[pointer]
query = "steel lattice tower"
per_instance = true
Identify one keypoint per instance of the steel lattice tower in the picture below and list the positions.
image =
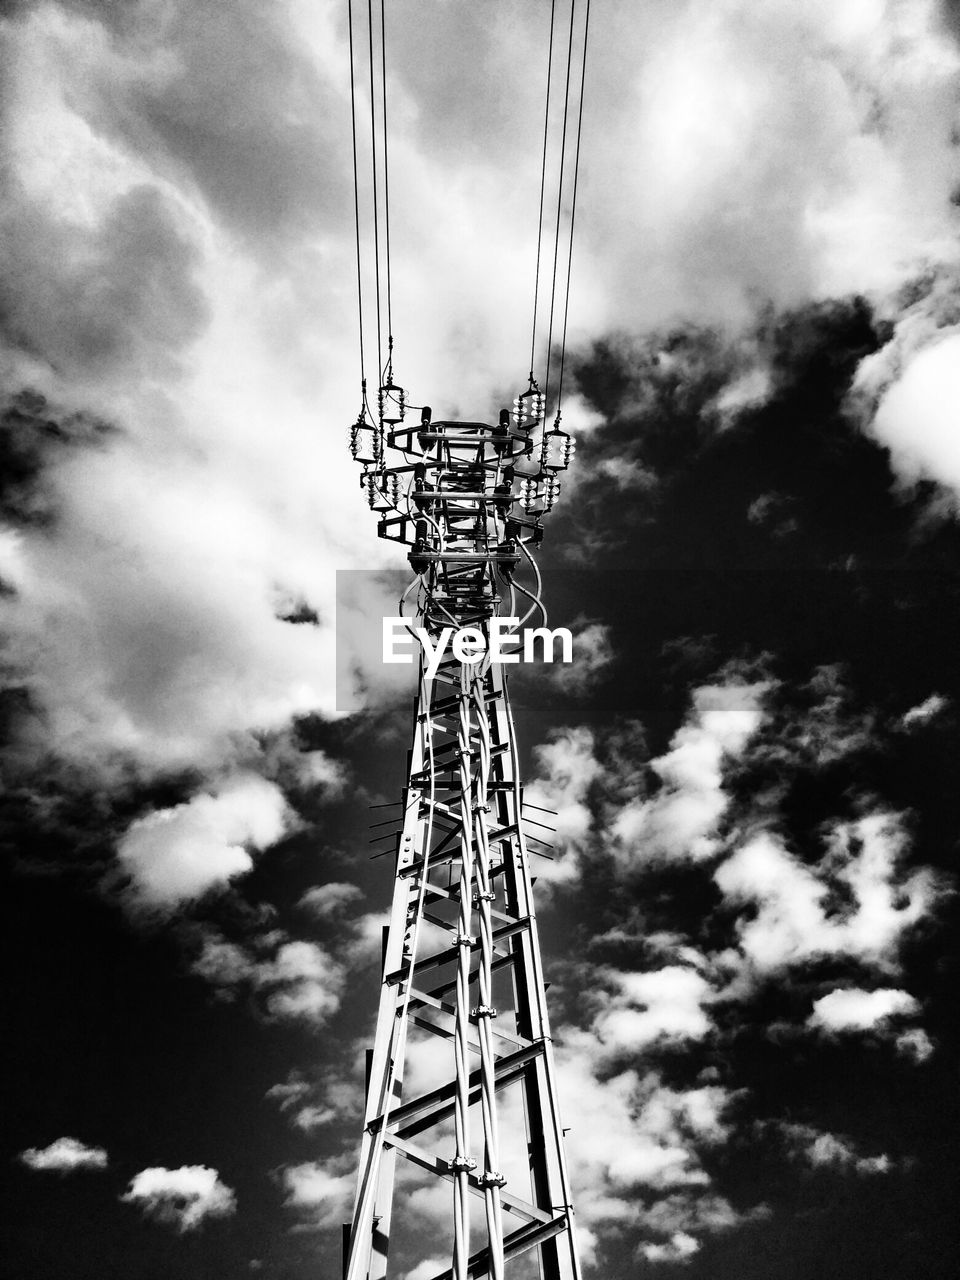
(461, 1080)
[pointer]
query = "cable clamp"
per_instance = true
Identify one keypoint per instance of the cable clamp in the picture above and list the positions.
(487, 896)
(484, 1011)
(465, 940)
(490, 1179)
(462, 1164)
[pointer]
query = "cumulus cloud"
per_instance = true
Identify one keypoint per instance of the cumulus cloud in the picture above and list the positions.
(679, 1248)
(823, 1150)
(846, 194)
(310, 1106)
(675, 1216)
(817, 725)
(915, 1044)
(924, 711)
(918, 418)
(177, 855)
(903, 393)
(64, 1155)
(592, 654)
(680, 822)
(851, 1009)
(565, 769)
(146, 623)
(195, 294)
(329, 901)
(318, 1192)
(789, 921)
(632, 1133)
(291, 980)
(183, 1198)
(663, 1006)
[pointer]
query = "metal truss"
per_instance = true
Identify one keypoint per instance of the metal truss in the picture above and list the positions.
(461, 1082)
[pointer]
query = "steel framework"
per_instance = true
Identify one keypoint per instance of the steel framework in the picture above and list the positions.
(461, 1081)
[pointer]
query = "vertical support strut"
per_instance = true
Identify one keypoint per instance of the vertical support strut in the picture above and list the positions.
(462, 1085)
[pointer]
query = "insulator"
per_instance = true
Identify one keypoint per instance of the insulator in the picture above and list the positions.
(528, 409)
(551, 492)
(556, 450)
(382, 489)
(530, 496)
(365, 443)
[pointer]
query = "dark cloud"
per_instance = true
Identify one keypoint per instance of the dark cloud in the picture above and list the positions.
(239, 105)
(121, 296)
(32, 432)
(769, 484)
(950, 11)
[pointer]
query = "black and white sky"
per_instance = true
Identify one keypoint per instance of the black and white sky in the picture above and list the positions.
(750, 925)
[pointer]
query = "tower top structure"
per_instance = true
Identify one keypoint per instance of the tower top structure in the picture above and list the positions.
(467, 497)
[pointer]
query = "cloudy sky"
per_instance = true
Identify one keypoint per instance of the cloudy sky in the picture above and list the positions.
(750, 921)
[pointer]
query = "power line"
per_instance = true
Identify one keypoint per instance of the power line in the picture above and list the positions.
(543, 183)
(573, 205)
(356, 193)
(556, 242)
(376, 211)
(386, 190)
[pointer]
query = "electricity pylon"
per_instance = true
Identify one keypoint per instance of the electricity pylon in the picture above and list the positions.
(461, 1081)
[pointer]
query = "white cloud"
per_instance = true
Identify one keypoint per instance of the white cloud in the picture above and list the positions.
(788, 920)
(177, 855)
(565, 768)
(294, 980)
(679, 1248)
(328, 901)
(915, 1044)
(198, 301)
(184, 1198)
(828, 1150)
(427, 1270)
(65, 1155)
(663, 1006)
(301, 981)
(681, 821)
(924, 711)
(919, 419)
(631, 1133)
(311, 1106)
(851, 1009)
(759, 188)
(592, 654)
(321, 1196)
(675, 1216)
